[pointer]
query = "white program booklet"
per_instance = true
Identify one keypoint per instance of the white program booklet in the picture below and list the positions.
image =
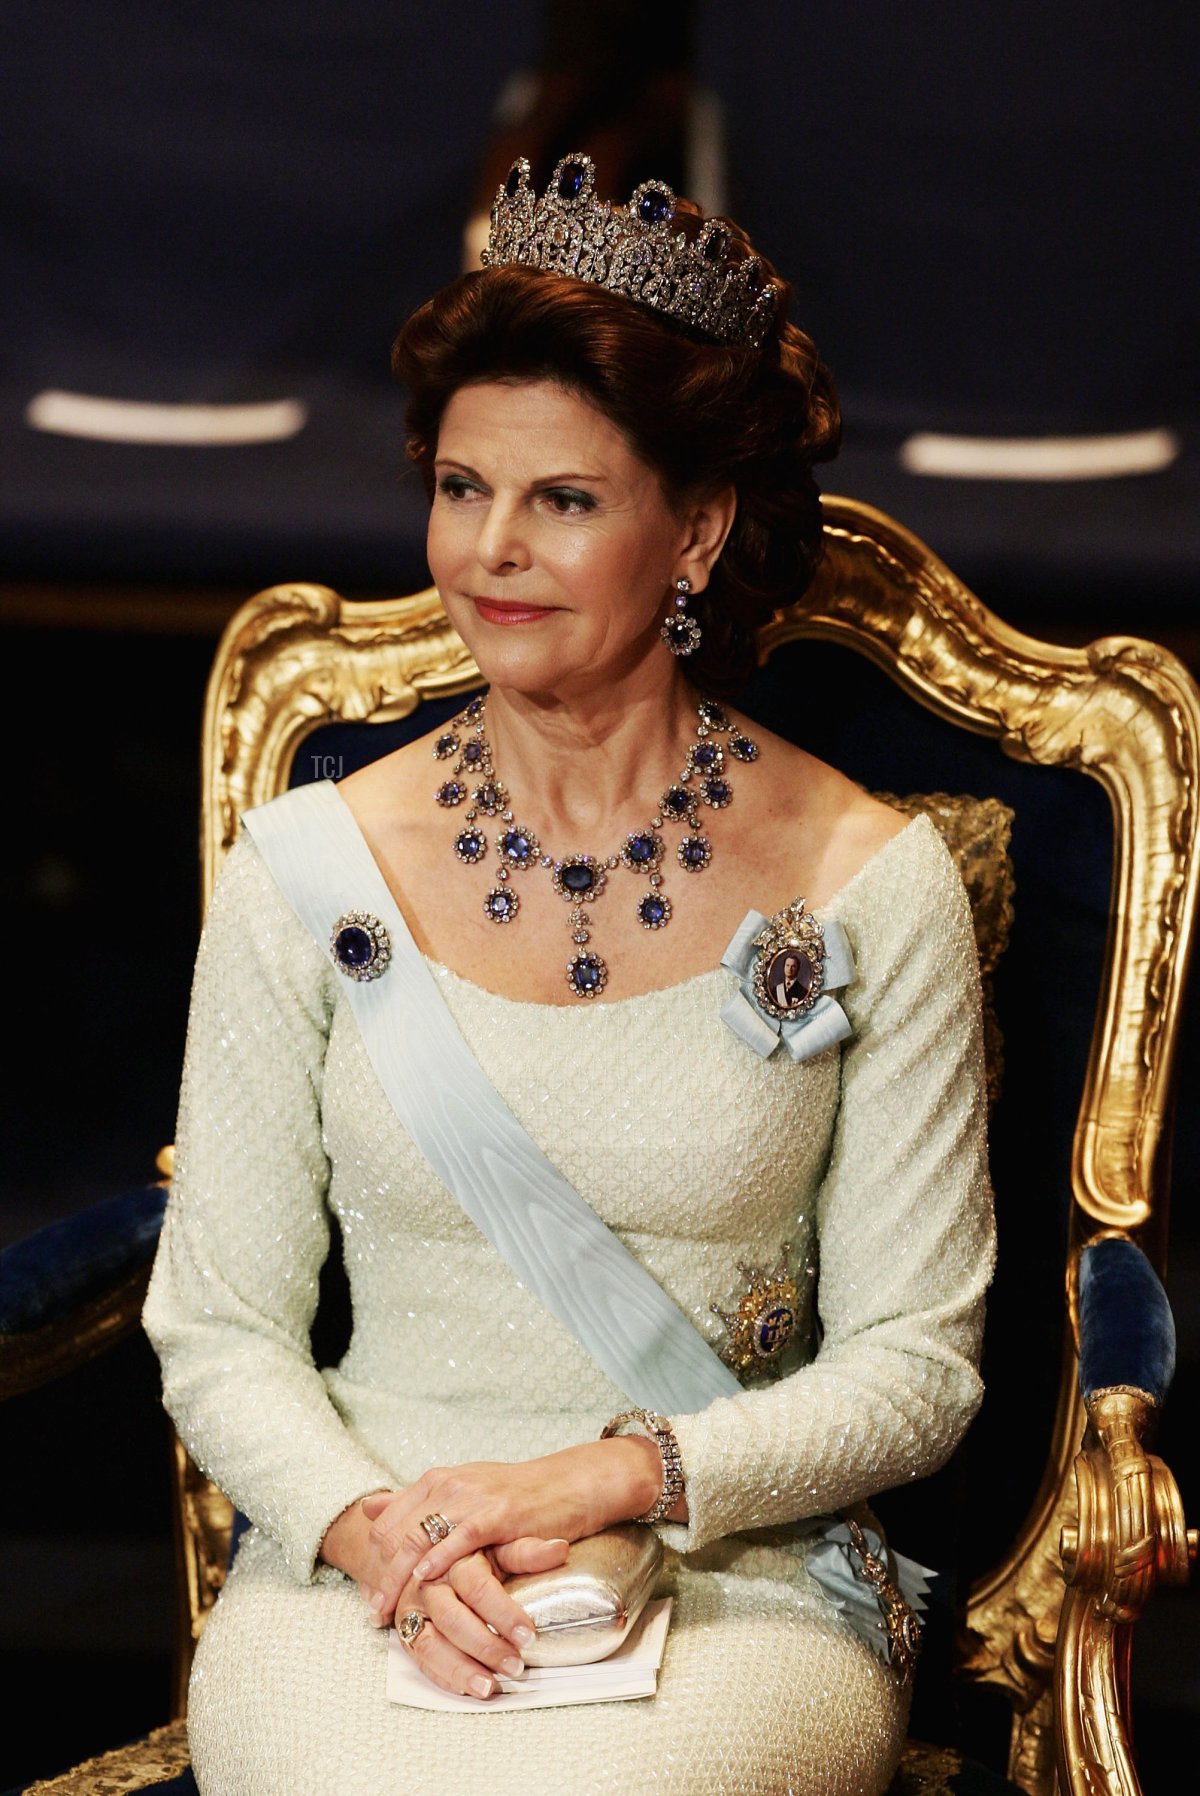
(629, 1672)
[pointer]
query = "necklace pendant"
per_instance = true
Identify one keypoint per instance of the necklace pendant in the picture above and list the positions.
(517, 847)
(643, 851)
(489, 798)
(694, 853)
(470, 845)
(501, 905)
(654, 910)
(579, 878)
(587, 974)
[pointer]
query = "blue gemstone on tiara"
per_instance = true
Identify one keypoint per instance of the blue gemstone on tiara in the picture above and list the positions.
(570, 181)
(753, 276)
(715, 246)
(654, 206)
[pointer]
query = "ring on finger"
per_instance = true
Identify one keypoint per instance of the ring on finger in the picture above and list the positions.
(410, 1625)
(436, 1527)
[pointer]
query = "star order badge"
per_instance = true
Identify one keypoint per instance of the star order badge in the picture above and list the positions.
(765, 1320)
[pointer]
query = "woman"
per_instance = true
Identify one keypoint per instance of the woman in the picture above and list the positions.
(618, 436)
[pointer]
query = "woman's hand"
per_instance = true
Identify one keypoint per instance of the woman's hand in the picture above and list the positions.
(473, 1628)
(561, 1497)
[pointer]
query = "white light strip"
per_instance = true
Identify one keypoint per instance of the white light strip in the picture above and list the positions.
(1039, 458)
(134, 421)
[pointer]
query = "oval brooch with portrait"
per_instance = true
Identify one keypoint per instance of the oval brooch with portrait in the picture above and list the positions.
(789, 963)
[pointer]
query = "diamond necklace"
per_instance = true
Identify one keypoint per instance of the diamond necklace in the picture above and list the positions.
(582, 879)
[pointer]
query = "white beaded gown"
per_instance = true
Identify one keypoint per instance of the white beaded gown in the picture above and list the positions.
(869, 1160)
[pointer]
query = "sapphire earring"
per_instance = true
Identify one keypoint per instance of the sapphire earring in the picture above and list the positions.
(681, 633)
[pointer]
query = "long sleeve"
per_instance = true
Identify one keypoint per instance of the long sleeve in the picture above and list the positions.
(905, 1233)
(234, 1288)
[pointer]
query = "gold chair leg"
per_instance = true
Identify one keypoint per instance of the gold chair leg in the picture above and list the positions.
(1131, 1537)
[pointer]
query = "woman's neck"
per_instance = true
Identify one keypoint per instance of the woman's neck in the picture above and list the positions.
(583, 768)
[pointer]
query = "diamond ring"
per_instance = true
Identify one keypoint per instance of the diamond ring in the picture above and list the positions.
(437, 1527)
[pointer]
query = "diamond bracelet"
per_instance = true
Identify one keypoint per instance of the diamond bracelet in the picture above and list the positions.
(659, 1430)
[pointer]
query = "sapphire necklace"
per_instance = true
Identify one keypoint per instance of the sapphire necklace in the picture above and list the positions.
(582, 879)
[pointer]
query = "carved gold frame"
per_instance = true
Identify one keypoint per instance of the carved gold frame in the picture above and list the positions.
(1123, 711)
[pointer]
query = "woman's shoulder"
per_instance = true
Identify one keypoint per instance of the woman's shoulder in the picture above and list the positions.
(249, 915)
(833, 829)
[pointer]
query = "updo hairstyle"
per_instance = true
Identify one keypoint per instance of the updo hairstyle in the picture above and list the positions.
(702, 414)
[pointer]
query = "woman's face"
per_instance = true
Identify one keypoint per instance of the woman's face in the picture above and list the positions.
(551, 541)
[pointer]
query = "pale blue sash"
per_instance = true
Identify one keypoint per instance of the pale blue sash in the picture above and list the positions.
(552, 1239)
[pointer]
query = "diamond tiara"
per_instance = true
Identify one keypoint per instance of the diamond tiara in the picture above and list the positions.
(634, 250)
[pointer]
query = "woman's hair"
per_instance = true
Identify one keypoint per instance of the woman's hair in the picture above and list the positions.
(702, 414)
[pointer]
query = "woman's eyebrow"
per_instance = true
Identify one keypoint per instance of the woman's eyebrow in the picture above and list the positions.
(450, 461)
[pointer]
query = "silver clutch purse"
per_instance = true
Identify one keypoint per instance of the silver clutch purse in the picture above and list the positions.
(584, 1609)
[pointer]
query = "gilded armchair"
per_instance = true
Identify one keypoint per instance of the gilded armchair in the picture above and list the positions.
(1059, 1548)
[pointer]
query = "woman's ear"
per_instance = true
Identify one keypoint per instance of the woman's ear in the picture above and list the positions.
(708, 522)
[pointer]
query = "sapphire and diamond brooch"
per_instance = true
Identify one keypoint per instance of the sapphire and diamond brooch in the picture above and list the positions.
(360, 945)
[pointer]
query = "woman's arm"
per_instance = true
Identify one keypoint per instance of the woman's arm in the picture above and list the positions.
(234, 1288)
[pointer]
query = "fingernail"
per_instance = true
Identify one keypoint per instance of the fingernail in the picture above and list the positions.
(422, 1571)
(512, 1667)
(377, 1601)
(481, 1686)
(524, 1636)
(560, 1543)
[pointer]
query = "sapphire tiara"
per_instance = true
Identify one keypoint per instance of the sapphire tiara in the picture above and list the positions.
(635, 250)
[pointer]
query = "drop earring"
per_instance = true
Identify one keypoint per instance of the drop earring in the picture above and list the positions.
(681, 632)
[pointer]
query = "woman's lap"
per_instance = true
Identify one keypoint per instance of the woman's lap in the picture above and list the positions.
(762, 1692)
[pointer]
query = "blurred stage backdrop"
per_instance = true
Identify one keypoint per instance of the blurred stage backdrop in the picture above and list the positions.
(213, 218)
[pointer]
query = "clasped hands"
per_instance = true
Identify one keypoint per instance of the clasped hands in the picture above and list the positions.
(508, 1518)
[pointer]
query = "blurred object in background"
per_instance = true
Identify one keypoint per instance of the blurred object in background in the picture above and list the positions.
(990, 215)
(213, 220)
(617, 84)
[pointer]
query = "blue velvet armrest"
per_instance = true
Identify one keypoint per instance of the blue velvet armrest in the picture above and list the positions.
(76, 1286)
(1126, 1329)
